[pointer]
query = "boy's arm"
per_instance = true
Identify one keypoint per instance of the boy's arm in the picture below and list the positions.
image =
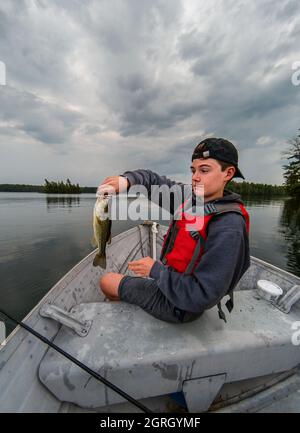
(148, 178)
(223, 263)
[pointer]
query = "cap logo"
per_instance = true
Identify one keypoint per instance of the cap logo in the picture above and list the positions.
(205, 154)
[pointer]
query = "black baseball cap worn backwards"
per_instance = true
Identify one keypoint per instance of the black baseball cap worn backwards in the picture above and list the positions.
(218, 148)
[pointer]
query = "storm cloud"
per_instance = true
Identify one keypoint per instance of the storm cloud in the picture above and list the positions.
(95, 88)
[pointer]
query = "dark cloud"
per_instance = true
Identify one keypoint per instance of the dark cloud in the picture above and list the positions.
(283, 10)
(147, 80)
(37, 118)
(150, 121)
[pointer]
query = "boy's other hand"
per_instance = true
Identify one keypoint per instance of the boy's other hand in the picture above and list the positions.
(142, 267)
(112, 185)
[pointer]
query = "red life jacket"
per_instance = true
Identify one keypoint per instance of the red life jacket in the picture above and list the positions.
(183, 248)
(178, 250)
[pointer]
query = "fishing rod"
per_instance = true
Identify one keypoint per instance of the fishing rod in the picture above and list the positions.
(78, 363)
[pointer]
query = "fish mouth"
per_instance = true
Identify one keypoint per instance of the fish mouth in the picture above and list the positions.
(101, 208)
(104, 196)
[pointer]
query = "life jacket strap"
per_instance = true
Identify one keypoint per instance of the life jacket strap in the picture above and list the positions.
(196, 253)
(217, 208)
(221, 313)
(169, 241)
(229, 305)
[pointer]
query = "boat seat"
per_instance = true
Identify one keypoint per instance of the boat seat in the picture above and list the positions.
(147, 357)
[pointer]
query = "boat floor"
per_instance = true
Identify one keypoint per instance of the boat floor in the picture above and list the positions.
(289, 404)
(148, 357)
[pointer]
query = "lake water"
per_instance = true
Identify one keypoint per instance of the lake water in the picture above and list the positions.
(42, 237)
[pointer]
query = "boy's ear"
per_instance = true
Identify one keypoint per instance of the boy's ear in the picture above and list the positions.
(230, 172)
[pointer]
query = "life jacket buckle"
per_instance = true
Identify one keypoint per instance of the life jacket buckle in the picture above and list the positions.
(195, 235)
(210, 208)
(229, 305)
(221, 313)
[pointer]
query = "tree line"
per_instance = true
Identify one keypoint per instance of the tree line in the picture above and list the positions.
(242, 188)
(256, 189)
(291, 172)
(12, 187)
(61, 187)
(48, 188)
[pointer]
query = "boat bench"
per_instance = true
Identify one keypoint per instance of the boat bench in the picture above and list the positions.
(147, 357)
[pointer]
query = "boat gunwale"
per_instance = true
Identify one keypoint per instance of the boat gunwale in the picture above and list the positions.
(287, 276)
(88, 259)
(62, 284)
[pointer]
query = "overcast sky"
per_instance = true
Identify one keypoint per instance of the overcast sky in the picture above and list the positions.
(97, 87)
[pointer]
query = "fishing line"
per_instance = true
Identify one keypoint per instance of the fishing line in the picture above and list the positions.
(78, 363)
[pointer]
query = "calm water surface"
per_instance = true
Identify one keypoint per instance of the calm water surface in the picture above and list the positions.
(42, 237)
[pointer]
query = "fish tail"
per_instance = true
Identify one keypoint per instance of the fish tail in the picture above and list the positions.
(100, 261)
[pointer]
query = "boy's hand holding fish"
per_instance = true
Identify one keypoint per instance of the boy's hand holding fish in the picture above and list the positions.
(113, 185)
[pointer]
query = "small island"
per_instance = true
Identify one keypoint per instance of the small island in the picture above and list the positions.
(61, 187)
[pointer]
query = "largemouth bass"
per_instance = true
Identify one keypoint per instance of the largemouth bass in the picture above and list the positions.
(102, 229)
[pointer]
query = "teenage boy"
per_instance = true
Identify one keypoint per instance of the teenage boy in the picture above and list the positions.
(196, 269)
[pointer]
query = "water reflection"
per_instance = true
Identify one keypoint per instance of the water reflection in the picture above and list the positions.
(262, 201)
(62, 201)
(290, 229)
(275, 231)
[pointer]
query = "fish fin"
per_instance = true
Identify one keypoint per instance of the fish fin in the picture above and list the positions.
(93, 242)
(100, 261)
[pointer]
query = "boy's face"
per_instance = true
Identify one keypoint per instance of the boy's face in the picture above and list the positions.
(208, 172)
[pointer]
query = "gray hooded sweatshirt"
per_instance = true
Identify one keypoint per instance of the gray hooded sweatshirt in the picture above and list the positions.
(225, 259)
